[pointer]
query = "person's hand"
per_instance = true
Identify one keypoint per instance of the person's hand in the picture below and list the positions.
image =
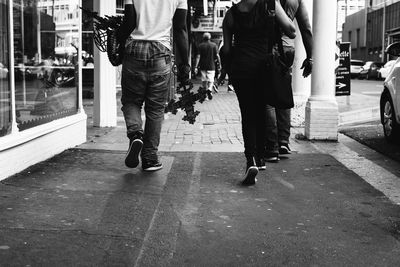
(307, 66)
(183, 74)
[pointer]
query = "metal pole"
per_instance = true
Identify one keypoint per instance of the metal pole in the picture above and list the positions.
(337, 17)
(383, 30)
(23, 53)
(14, 125)
(38, 34)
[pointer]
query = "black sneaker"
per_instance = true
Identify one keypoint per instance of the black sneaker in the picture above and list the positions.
(151, 165)
(209, 94)
(284, 149)
(249, 177)
(215, 88)
(132, 156)
(272, 157)
(230, 88)
(261, 164)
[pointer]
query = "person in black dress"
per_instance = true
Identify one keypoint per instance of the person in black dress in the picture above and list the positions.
(249, 24)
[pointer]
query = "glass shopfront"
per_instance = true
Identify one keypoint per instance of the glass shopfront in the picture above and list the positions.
(46, 41)
(5, 96)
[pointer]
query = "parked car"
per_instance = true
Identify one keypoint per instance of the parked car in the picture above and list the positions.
(355, 67)
(390, 98)
(384, 71)
(370, 70)
(3, 71)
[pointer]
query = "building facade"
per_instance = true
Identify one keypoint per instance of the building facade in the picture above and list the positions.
(371, 30)
(346, 8)
(355, 32)
(41, 110)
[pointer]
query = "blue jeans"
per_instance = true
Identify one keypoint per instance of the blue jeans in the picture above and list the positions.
(278, 128)
(278, 120)
(145, 81)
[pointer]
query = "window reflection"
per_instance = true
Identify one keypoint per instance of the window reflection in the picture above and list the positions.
(46, 41)
(5, 97)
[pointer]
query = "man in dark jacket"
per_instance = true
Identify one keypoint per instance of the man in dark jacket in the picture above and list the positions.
(278, 120)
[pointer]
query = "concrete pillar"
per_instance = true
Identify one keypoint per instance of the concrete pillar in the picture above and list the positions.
(321, 108)
(105, 102)
(301, 86)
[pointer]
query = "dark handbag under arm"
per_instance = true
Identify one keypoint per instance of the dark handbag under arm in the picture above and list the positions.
(278, 83)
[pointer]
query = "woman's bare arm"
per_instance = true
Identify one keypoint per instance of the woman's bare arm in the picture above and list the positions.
(284, 22)
(227, 32)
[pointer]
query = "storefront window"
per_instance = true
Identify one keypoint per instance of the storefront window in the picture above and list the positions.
(5, 96)
(46, 61)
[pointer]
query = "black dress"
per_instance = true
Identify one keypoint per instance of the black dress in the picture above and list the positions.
(251, 38)
(251, 32)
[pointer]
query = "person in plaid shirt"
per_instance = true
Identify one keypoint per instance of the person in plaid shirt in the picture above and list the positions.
(146, 70)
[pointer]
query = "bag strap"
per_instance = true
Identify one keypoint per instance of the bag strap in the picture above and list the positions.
(275, 30)
(270, 13)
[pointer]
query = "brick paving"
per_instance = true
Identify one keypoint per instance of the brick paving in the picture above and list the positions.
(217, 127)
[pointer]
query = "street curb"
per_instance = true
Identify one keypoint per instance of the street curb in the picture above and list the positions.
(359, 116)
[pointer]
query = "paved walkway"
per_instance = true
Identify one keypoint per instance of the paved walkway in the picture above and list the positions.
(218, 126)
(327, 204)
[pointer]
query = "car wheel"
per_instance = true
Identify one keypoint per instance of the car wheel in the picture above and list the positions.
(388, 118)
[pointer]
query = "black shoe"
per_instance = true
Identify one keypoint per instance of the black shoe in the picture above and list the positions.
(284, 149)
(261, 164)
(132, 156)
(230, 88)
(272, 157)
(209, 94)
(215, 88)
(151, 165)
(251, 173)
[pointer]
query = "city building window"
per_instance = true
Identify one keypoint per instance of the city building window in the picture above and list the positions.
(120, 3)
(120, 6)
(5, 94)
(46, 81)
(350, 36)
(358, 38)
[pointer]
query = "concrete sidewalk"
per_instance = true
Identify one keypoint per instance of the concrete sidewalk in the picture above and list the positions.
(327, 204)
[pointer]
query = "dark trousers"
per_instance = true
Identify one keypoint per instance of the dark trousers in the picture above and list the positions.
(278, 128)
(253, 112)
(278, 120)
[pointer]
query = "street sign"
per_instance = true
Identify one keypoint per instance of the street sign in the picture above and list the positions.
(343, 70)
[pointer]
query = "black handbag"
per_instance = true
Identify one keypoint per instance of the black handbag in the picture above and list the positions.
(278, 77)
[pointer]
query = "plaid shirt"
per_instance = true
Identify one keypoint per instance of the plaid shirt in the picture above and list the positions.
(145, 50)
